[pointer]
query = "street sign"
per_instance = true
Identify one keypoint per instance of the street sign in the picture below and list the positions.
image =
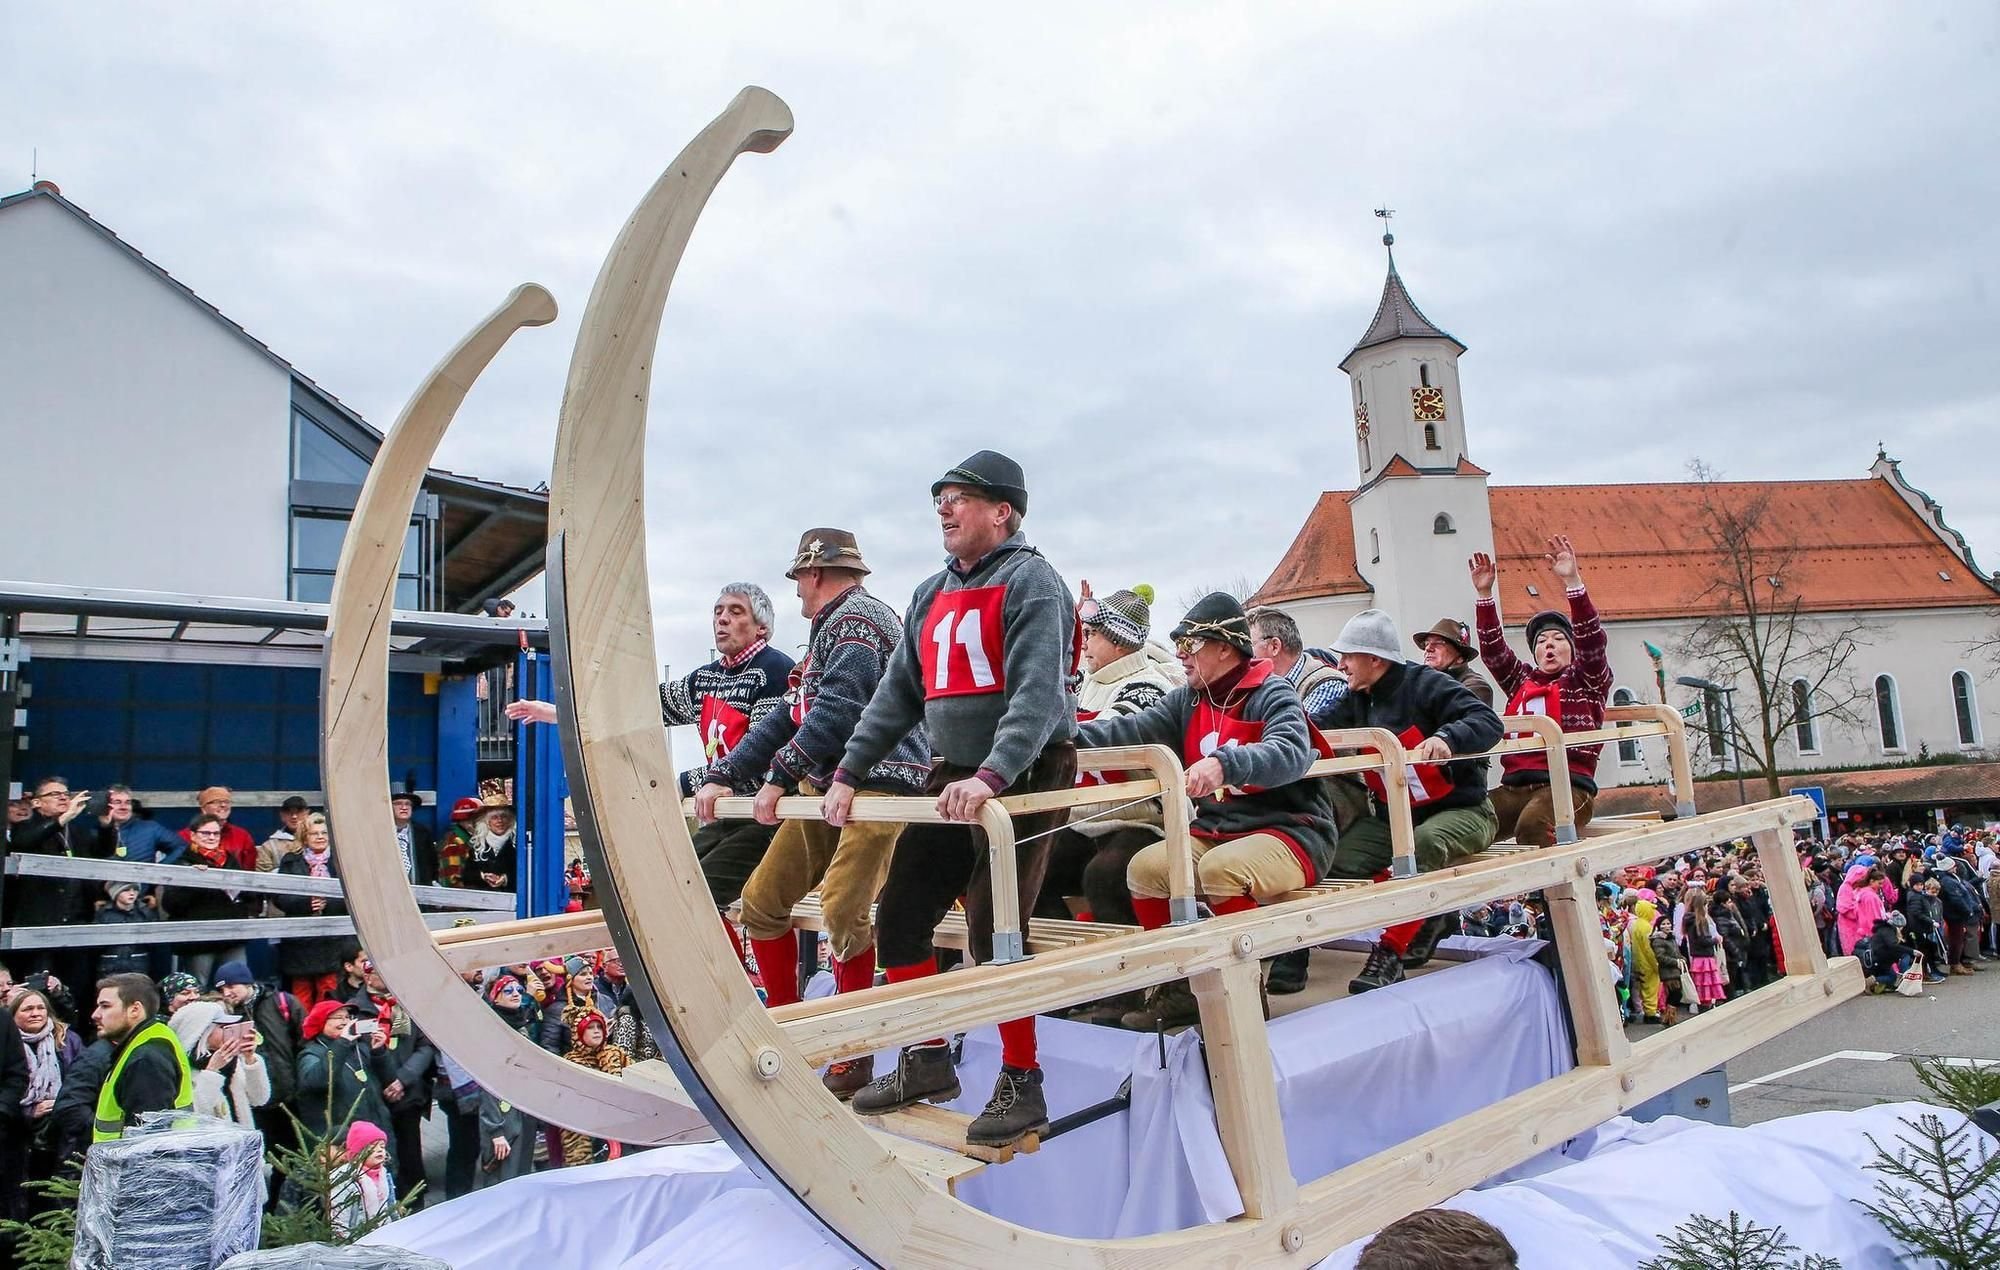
(1691, 711)
(1816, 793)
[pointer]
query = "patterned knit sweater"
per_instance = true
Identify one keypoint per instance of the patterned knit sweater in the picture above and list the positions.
(1580, 688)
(725, 703)
(851, 642)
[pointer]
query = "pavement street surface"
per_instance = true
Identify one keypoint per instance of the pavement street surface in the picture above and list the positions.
(1857, 1054)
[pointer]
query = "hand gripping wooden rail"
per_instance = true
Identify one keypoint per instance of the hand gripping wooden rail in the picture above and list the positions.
(751, 1072)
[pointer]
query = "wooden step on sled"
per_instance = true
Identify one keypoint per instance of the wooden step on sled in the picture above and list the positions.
(749, 1075)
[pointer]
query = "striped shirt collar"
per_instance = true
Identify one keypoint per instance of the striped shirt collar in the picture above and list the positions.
(737, 662)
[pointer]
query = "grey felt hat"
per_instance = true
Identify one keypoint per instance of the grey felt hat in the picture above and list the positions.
(1373, 632)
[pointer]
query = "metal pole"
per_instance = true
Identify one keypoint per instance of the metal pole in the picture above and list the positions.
(1729, 705)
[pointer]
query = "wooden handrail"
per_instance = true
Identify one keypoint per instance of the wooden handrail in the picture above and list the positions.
(232, 930)
(1677, 747)
(1393, 762)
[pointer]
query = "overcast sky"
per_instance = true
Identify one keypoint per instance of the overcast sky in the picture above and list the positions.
(1128, 244)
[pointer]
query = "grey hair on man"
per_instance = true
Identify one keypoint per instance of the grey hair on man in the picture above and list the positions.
(1270, 623)
(761, 610)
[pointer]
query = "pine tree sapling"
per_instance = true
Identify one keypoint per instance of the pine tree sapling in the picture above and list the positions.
(46, 1240)
(1963, 1087)
(1703, 1243)
(1939, 1194)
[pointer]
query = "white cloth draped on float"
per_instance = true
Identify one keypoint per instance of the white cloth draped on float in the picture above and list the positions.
(693, 1206)
(1355, 1076)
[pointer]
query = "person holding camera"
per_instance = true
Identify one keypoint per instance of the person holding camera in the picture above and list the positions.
(230, 1080)
(343, 1069)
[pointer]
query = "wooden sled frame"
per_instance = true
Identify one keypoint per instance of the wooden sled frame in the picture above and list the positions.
(751, 1072)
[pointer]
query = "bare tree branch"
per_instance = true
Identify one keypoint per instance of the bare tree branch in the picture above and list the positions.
(1755, 631)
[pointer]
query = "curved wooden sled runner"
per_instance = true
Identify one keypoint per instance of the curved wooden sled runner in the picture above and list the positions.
(752, 1072)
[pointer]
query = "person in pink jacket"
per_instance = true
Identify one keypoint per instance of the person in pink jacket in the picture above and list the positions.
(1859, 907)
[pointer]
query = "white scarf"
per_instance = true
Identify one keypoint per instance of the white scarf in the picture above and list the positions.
(44, 1070)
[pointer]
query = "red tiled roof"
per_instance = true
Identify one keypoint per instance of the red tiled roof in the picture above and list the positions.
(1320, 560)
(1945, 785)
(1856, 546)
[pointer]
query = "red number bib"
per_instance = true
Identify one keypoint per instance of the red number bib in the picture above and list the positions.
(722, 726)
(1210, 729)
(962, 645)
(1098, 778)
(1537, 698)
(1427, 780)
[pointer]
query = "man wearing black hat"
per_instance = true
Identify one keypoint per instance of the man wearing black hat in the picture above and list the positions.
(1259, 830)
(984, 665)
(853, 636)
(416, 843)
(1569, 681)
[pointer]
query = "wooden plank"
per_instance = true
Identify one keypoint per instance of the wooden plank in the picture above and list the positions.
(1593, 1003)
(945, 1130)
(1680, 768)
(239, 798)
(207, 879)
(1550, 739)
(354, 770)
(1245, 1086)
(863, 1023)
(1791, 907)
(509, 944)
(235, 930)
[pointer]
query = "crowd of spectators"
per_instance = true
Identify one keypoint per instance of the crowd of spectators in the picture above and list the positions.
(315, 1036)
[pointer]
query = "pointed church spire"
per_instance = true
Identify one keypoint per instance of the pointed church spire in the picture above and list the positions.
(1397, 316)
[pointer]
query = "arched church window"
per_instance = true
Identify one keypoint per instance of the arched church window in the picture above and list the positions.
(1424, 374)
(1628, 751)
(1374, 546)
(1965, 706)
(1443, 525)
(1888, 713)
(1805, 729)
(1431, 437)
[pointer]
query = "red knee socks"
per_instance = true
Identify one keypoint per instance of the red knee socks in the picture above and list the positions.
(856, 972)
(778, 967)
(1152, 913)
(735, 940)
(1234, 904)
(1398, 937)
(1017, 1043)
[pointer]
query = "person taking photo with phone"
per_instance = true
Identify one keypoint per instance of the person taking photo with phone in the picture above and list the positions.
(343, 1069)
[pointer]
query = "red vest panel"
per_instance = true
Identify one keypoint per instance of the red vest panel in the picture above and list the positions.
(722, 726)
(1427, 780)
(962, 643)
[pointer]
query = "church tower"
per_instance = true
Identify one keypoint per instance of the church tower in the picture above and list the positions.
(1420, 508)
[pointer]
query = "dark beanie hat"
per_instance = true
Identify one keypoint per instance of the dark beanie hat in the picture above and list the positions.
(993, 472)
(1545, 619)
(1217, 615)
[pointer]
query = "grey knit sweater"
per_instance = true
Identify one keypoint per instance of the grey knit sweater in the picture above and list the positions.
(996, 723)
(852, 641)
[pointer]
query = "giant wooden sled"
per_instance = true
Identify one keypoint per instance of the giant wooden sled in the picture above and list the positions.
(749, 1076)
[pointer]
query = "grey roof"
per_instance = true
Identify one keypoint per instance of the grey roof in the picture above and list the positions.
(1398, 317)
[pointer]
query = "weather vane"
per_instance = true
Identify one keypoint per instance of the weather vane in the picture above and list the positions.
(1384, 213)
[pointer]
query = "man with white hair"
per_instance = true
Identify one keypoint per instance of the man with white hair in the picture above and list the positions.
(1436, 717)
(746, 681)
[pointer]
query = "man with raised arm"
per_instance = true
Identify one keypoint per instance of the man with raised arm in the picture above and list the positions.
(853, 635)
(1568, 679)
(989, 645)
(1436, 718)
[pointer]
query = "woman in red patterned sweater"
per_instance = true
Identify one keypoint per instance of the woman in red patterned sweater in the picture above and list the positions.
(1569, 681)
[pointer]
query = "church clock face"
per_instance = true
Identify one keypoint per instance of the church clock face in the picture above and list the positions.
(1361, 420)
(1428, 404)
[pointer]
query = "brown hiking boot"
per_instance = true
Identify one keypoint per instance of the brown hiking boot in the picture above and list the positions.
(849, 1076)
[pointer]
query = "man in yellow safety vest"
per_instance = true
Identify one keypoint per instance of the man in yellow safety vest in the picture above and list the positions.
(149, 1070)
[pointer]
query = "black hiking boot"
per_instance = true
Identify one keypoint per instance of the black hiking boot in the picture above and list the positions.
(923, 1072)
(1016, 1110)
(1169, 1005)
(1425, 941)
(1288, 973)
(1384, 968)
